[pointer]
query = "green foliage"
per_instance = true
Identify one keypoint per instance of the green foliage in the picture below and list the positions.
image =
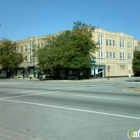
(31, 77)
(9, 58)
(69, 49)
(2, 77)
(136, 62)
(15, 77)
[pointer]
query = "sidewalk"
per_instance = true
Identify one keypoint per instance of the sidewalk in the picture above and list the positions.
(82, 80)
(119, 79)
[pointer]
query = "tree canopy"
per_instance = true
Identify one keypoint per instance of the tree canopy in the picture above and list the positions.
(9, 58)
(136, 63)
(69, 49)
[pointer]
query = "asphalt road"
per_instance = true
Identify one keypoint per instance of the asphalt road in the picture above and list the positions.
(69, 110)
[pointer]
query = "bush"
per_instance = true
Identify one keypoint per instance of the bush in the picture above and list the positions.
(31, 77)
(2, 77)
(15, 77)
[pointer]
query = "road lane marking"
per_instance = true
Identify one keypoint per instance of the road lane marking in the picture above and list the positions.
(10, 83)
(27, 91)
(69, 88)
(1, 99)
(91, 85)
(74, 109)
(107, 98)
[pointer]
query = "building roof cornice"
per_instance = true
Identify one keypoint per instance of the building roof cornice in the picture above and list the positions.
(100, 30)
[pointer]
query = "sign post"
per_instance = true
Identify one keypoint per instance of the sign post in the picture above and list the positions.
(108, 67)
(129, 69)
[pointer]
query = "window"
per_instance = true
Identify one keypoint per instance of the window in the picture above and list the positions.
(16, 49)
(41, 45)
(100, 53)
(122, 42)
(122, 55)
(110, 54)
(113, 42)
(107, 55)
(129, 56)
(31, 58)
(25, 59)
(25, 49)
(128, 44)
(110, 42)
(136, 48)
(106, 42)
(47, 43)
(20, 48)
(100, 40)
(114, 54)
(31, 46)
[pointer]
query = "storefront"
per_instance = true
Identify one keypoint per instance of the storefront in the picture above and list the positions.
(98, 71)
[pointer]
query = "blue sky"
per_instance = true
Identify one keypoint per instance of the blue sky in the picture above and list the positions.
(21, 19)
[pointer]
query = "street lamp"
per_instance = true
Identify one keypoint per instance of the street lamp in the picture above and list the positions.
(23, 72)
(129, 69)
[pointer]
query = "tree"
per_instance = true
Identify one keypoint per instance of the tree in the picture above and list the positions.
(83, 44)
(9, 58)
(71, 49)
(55, 52)
(136, 63)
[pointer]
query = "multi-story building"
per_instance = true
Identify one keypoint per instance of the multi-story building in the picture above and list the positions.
(26, 47)
(115, 54)
(114, 57)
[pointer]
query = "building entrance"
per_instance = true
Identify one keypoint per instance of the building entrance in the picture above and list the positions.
(98, 72)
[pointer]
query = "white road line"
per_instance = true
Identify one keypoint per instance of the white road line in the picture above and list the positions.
(73, 109)
(77, 88)
(26, 91)
(99, 85)
(10, 83)
(69, 88)
(1, 99)
(108, 98)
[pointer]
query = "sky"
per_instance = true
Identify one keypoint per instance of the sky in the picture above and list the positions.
(20, 19)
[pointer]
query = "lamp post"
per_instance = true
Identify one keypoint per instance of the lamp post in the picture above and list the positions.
(129, 69)
(23, 72)
(108, 67)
